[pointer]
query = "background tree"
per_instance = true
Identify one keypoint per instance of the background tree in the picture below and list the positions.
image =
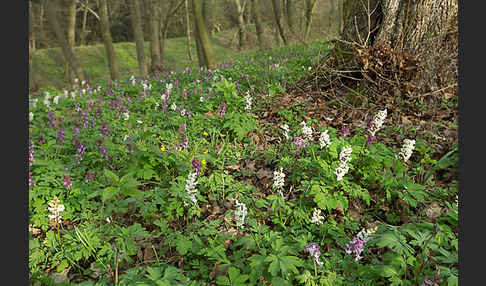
(52, 15)
(241, 25)
(156, 63)
(138, 35)
(205, 55)
(278, 20)
(258, 24)
(108, 43)
(309, 8)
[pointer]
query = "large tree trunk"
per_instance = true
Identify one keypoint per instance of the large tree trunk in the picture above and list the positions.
(71, 28)
(241, 24)
(52, 15)
(277, 11)
(290, 14)
(426, 30)
(258, 24)
(138, 34)
(31, 29)
(82, 36)
(156, 64)
(207, 52)
(188, 34)
(309, 9)
(105, 31)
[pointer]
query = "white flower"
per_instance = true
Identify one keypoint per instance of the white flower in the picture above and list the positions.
(285, 127)
(248, 101)
(31, 116)
(345, 155)
(307, 130)
(278, 179)
(76, 80)
(55, 208)
(125, 138)
(83, 91)
(407, 149)
(126, 115)
(183, 112)
(169, 87)
(324, 139)
(46, 100)
(191, 189)
(341, 171)
(316, 217)
(240, 213)
(201, 99)
(73, 94)
(163, 97)
(139, 121)
(365, 234)
(83, 82)
(56, 100)
(378, 122)
(66, 93)
(173, 106)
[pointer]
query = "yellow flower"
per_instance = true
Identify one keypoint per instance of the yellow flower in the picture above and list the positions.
(222, 135)
(203, 162)
(206, 151)
(205, 133)
(162, 148)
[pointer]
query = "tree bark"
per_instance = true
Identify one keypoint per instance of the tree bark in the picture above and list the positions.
(164, 25)
(82, 36)
(71, 23)
(188, 34)
(207, 52)
(52, 14)
(426, 30)
(31, 29)
(309, 9)
(136, 19)
(278, 19)
(290, 14)
(156, 64)
(241, 24)
(108, 43)
(258, 24)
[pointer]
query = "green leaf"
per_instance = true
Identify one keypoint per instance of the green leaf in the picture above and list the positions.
(109, 193)
(183, 244)
(112, 176)
(222, 280)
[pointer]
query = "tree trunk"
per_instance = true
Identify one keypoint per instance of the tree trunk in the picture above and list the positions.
(258, 24)
(156, 64)
(82, 36)
(241, 24)
(105, 31)
(164, 25)
(290, 14)
(188, 34)
(71, 28)
(278, 19)
(138, 34)
(52, 15)
(42, 35)
(31, 29)
(309, 8)
(207, 52)
(426, 30)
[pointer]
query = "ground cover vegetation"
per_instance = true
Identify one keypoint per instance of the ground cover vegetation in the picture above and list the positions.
(222, 177)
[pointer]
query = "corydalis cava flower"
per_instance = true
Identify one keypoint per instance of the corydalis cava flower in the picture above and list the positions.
(278, 179)
(55, 208)
(317, 218)
(344, 158)
(407, 149)
(324, 139)
(315, 251)
(377, 122)
(240, 213)
(191, 189)
(307, 131)
(357, 244)
(222, 110)
(248, 100)
(285, 127)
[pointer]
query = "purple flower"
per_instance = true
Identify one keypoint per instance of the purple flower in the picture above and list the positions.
(299, 142)
(31, 180)
(222, 109)
(93, 122)
(355, 246)
(314, 250)
(188, 114)
(105, 130)
(41, 139)
(102, 148)
(344, 131)
(51, 119)
(60, 136)
(184, 144)
(77, 130)
(66, 182)
(76, 107)
(85, 120)
(370, 140)
(80, 150)
(197, 166)
(31, 153)
(99, 111)
(90, 176)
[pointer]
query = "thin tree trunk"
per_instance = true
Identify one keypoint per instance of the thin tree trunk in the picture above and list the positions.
(278, 19)
(241, 24)
(188, 33)
(31, 28)
(105, 31)
(309, 9)
(41, 23)
(71, 28)
(156, 64)
(258, 24)
(52, 14)
(138, 34)
(290, 14)
(202, 34)
(83, 35)
(164, 25)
